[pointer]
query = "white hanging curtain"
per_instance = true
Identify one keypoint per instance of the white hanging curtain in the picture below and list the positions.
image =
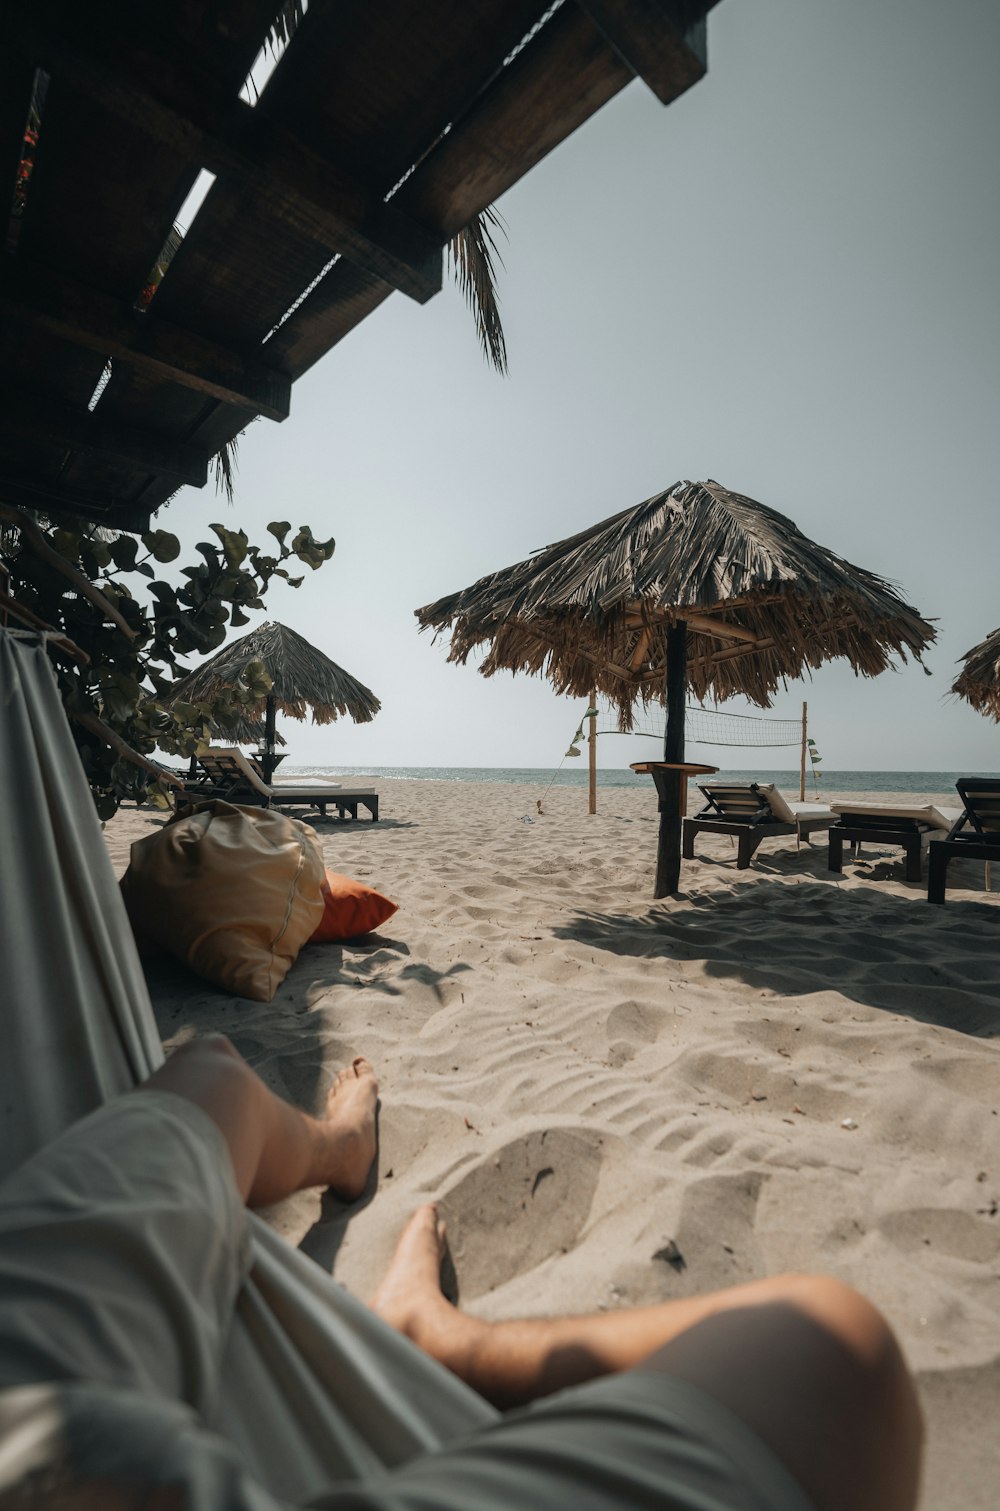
(316, 1387)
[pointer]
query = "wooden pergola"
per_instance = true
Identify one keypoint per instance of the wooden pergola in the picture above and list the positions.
(384, 129)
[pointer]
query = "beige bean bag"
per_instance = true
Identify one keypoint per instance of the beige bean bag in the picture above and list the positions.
(233, 892)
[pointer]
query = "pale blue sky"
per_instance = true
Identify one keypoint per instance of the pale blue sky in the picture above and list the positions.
(785, 281)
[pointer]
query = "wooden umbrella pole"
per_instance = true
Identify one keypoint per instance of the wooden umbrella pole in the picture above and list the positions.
(269, 739)
(668, 849)
(592, 751)
(802, 762)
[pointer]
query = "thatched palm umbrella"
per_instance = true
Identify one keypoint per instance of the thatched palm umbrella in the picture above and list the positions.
(695, 589)
(979, 683)
(301, 678)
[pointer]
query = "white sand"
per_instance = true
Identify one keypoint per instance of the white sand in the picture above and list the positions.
(581, 1075)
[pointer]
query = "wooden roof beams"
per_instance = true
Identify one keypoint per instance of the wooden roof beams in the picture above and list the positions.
(383, 130)
(172, 100)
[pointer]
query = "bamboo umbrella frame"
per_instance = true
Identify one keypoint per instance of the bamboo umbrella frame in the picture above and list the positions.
(302, 679)
(698, 590)
(979, 682)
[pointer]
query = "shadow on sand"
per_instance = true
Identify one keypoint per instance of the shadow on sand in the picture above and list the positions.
(795, 936)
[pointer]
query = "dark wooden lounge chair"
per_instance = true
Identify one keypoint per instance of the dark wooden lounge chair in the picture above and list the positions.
(753, 812)
(232, 777)
(905, 825)
(975, 835)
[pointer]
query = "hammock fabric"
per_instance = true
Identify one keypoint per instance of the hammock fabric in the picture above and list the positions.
(317, 1389)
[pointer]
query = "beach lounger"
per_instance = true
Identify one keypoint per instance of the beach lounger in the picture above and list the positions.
(753, 812)
(975, 834)
(908, 825)
(233, 778)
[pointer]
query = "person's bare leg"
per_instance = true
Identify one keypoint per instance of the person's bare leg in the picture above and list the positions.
(804, 1360)
(275, 1148)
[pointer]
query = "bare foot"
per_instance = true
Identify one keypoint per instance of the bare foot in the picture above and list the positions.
(410, 1296)
(350, 1124)
(411, 1300)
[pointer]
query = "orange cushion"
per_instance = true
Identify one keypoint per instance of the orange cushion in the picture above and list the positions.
(350, 908)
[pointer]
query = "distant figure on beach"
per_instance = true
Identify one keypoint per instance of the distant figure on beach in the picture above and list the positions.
(123, 1245)
(538, 804)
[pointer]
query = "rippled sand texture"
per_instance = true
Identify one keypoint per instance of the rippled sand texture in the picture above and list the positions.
(618, 1101)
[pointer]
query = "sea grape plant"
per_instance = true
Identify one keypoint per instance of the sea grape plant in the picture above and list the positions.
(127, 631)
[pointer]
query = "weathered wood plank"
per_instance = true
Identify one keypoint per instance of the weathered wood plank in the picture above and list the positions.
(111, 194)
(16, 76)
(85, 317)
(169, 98)
(59, 500)
(565, 74)
(24, 421)
(659, 40)
(378, 84)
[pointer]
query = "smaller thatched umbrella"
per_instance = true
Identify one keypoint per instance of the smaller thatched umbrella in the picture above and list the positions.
(301, 678)
(979, 683)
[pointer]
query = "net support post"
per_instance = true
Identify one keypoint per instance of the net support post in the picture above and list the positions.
(668, 847)
(592, 752)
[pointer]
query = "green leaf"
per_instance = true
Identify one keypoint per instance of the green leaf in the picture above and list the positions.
(256, 678)
(237, 618)
(313, 552)
(94, 555)
(67, 543)
(161, 545)
(116, 704)
(279, 528)
(123, 552)
(234, 545)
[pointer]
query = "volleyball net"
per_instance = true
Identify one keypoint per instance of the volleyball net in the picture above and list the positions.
(710, 726)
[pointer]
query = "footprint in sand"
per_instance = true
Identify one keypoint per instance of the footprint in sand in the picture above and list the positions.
(519, 1205)
(977, 1079)
(944, 1230)
(636, 1023)
(716, 1232)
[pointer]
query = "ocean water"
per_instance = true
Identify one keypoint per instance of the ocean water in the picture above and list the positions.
(577, 776)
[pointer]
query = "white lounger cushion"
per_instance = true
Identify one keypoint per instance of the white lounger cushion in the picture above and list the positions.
(921, 813)
(291, 789)
(283, 791)
(790, 813)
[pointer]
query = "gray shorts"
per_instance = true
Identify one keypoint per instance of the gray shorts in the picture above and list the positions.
(122, 1248)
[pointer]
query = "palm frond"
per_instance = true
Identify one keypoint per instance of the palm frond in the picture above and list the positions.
(224, 465)
(979, 681)
(471, 253)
